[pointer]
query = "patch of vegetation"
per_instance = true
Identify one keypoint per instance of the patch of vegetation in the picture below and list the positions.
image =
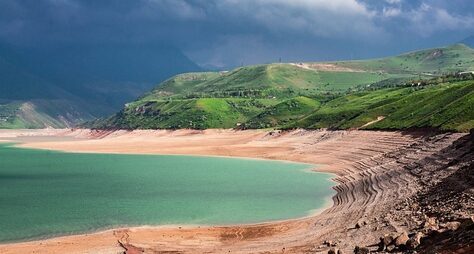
(197, 113)
(283, 113)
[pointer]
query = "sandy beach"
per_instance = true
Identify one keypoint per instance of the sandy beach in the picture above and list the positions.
(370, 174)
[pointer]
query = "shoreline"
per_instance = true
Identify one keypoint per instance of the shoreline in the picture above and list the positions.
(310, 213)
(43, 145)
(347, 154)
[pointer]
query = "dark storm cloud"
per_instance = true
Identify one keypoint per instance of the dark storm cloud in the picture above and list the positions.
(229, 32)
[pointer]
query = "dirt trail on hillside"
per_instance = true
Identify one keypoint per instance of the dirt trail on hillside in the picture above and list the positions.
(329, 67)
(379, 118)
(372, 175)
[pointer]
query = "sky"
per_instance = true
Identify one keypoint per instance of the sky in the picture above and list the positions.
(228, 33)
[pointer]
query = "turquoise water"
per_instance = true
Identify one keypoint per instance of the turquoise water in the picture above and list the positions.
(46, 193)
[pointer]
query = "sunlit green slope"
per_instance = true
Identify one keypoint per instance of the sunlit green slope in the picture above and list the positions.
(343, 95)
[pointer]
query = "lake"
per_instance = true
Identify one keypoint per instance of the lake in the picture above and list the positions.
(48, 193)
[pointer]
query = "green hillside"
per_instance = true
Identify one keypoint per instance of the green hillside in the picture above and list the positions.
(401, 92)
(283, 113)
(309, 78)
(40, 113)
(446, 106)
(458, 57)
(199, 113)
(279, 80)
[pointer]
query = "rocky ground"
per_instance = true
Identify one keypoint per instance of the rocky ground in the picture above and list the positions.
(437, 215)
(440, 214)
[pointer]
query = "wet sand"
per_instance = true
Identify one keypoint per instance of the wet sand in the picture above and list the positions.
(368, 166)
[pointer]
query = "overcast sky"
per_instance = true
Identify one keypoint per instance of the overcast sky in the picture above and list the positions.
(226, 33)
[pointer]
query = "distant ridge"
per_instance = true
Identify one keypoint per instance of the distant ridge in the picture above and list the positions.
(67, 85)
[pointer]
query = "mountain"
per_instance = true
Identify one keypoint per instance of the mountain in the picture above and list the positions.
(69, 84)
(28, 101)
(41, 113)
(416, 89)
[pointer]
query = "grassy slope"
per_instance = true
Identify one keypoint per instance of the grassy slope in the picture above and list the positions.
(283, 113)
(286, 79)
(41, 113)
(198, 113)
(280, 80)
(448, 106)
(447, 59)
(37, 114)
(282, 96)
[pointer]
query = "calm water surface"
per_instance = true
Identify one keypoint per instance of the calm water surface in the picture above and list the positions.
(46, 193)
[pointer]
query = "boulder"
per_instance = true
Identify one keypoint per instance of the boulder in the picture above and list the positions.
(430, 224)
(387, 239)
(332, 251)
(452, 225)
(402, 239)
(390, 248)
(430, 221)
(361, 250)
(414, 241)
